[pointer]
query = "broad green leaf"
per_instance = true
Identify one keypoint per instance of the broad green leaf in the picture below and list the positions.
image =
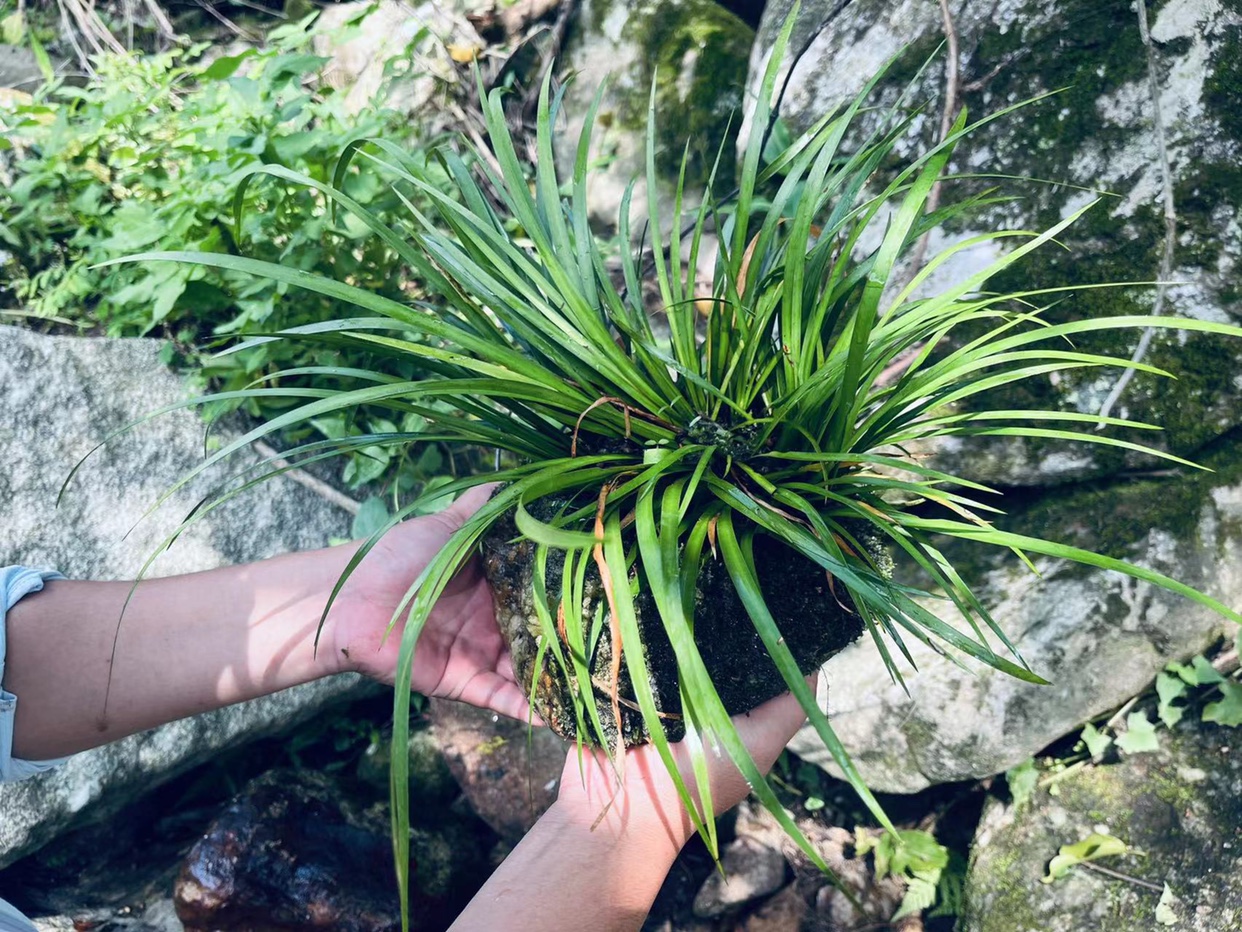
(1170, 688)
(1166, 915)
(1096, 741)
(1200, 672)
(372, 514)
(1139, 736)
(1022, 781)
(1091, 848)
(1228, 710)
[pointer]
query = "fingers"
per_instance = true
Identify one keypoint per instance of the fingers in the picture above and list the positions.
(473, 499)
(766, 729)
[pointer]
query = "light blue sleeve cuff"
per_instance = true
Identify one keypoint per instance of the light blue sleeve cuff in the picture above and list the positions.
(15, 583)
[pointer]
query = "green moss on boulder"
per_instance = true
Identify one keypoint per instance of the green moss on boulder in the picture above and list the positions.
(1177, 809)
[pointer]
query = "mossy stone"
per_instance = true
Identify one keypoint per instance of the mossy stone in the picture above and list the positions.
(1177, 808)
(1097, 134)
(694, 52)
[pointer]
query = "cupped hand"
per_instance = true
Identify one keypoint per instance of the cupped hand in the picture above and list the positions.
(460, 653)
(643, 797)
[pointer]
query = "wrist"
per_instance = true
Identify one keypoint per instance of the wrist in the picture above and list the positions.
(644, 813)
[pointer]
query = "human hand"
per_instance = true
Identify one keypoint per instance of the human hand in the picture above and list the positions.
(460, 653)
(646, 800)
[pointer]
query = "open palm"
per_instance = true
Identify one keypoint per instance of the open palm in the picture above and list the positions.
(460, 654)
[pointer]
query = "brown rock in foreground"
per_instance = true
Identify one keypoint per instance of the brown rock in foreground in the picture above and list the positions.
(292, 852)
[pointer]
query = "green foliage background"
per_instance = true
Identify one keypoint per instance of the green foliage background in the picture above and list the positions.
(149, 155)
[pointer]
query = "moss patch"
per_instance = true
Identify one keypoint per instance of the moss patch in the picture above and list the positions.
(1223, 89)
(697, 53)
(1186, 833)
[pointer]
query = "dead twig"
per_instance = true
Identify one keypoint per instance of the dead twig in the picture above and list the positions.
(1118, 875)
(318, 486)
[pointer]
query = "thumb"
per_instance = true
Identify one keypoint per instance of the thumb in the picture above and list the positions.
(472, 500)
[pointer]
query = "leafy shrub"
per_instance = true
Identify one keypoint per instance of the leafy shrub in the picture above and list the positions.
(150, 156)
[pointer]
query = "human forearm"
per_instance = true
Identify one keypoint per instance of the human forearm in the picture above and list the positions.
(184, 645)
(565, 876)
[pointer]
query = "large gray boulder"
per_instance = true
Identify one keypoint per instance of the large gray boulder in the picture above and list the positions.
(1178, 811)
(1099, 637)
(62, 396)
(1105, 131)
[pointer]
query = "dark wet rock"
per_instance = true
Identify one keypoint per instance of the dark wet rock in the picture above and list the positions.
(292, 852)
(431, 780)
(1177, 808)
(751, 870)
(509, 773)
(1100, 133)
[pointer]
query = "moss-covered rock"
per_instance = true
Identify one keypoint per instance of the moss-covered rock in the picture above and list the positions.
(1099, 133)
(1177, 809)
(695, 51)
(1097, 636)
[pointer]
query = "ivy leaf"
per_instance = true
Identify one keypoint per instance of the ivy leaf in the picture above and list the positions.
(1229, 710)
(1164, 909)
(1091, 848)
(1022, 781)
(1199, 673)
(1140, 736)
(370, 518)
(1169, 688)
(1096, 741)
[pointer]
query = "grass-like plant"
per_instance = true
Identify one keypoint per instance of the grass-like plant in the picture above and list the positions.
(760, 413)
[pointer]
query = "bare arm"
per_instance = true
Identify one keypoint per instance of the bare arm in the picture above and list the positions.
(188, 644)
(569, 874)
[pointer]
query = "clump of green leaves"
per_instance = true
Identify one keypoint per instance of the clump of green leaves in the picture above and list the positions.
(922, 862)
(761, 411)
(150, 155)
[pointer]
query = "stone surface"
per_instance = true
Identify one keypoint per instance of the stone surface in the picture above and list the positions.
(62, 396)
(1178, 808)
(509, 773)
(19, 69)
(364, 47)
(1100, 134)
(431, 781)
(784, 912)
(1098, 637)
(293, 851)
(825, 906)
(696, 51)
(751, 870)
